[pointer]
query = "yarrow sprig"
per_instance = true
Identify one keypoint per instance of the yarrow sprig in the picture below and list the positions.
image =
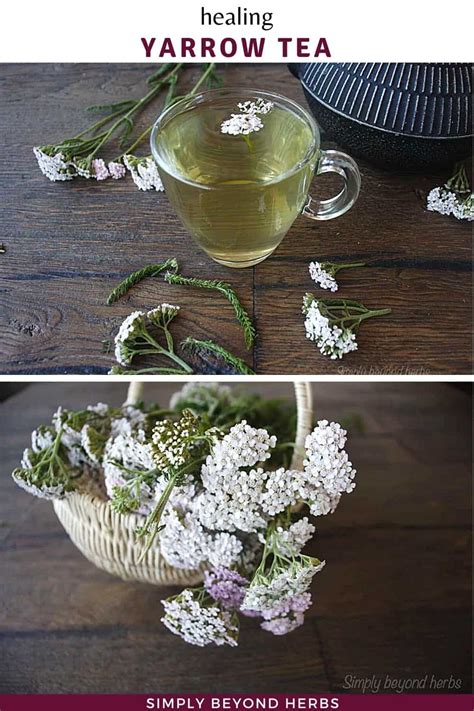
(455, 197)
(333, 323)
(195, 617)
(77, 157)
(134, 337)
(205, 350)
(324, 273)
(212, 494)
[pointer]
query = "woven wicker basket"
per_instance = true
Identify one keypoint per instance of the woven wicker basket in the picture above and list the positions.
(108, 539)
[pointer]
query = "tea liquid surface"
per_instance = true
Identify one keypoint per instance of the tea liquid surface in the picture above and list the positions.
(237, 195)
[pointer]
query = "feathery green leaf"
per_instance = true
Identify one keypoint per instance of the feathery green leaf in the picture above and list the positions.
(242, 316)
(199, 346)
(136, 277)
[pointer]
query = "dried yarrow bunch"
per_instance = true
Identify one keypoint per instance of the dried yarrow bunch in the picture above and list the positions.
(210, 475)
(79, 156)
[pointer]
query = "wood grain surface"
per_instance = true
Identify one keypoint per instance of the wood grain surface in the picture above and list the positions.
(67, 244)
(394, 598)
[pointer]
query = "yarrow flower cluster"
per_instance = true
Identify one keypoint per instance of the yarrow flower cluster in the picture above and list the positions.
(227, 587)
(454, 198)
(248, 120)
(198, 621)
(447, 202)
(331, 340)
(215, 494)
(54, 165)
(333, 323)
(135, 338)
(322, 276)
(324, 273)
(144, 172)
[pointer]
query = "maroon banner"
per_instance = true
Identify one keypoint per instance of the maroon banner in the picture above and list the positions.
(236, 702)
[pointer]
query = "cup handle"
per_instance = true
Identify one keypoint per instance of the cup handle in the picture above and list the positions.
(335, 162)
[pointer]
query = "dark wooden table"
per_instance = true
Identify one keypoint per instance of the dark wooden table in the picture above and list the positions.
(68, 244)
(394, 598)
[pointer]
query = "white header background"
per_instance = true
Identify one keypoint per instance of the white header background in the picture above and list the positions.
(356, 30)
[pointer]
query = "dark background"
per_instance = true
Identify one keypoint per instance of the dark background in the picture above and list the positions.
(67, 244)
(394, 598)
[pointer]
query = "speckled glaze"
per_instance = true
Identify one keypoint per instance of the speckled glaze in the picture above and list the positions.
(410, 116)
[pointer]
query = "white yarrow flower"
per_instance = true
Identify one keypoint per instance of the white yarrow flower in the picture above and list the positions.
(163, 314)
(54, 167)
(197, 623)
(328, 471)
(322, 277)
(331, 340)
(242, 124)
(289, 542)
(447, 202)
(248, 120)
(44, 492)
(144, 172)
(286, 583)
(260, 106)
(130, 328)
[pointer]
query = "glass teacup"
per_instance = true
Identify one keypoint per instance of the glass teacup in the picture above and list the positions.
(237, 165)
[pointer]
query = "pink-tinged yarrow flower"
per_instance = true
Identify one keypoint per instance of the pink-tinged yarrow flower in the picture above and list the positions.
(99, 169)
(116, 170)
(226, 587)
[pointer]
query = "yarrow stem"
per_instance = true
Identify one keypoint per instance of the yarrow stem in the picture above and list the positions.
(134, 338)
(137, 107)
(157, 348)
(170, 99)
(152, 525)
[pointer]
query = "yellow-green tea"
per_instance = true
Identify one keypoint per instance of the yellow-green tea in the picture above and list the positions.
(237, 195)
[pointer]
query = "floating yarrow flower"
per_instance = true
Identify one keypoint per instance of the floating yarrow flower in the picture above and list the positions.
(248, 120)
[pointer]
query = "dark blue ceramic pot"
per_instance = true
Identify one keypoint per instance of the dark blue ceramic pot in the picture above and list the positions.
(409, 116)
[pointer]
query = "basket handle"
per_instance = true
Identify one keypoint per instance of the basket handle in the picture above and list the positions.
(304, 409)
(134, 392)
(304, 422)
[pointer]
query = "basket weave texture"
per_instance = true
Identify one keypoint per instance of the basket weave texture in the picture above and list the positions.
(108, 539)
